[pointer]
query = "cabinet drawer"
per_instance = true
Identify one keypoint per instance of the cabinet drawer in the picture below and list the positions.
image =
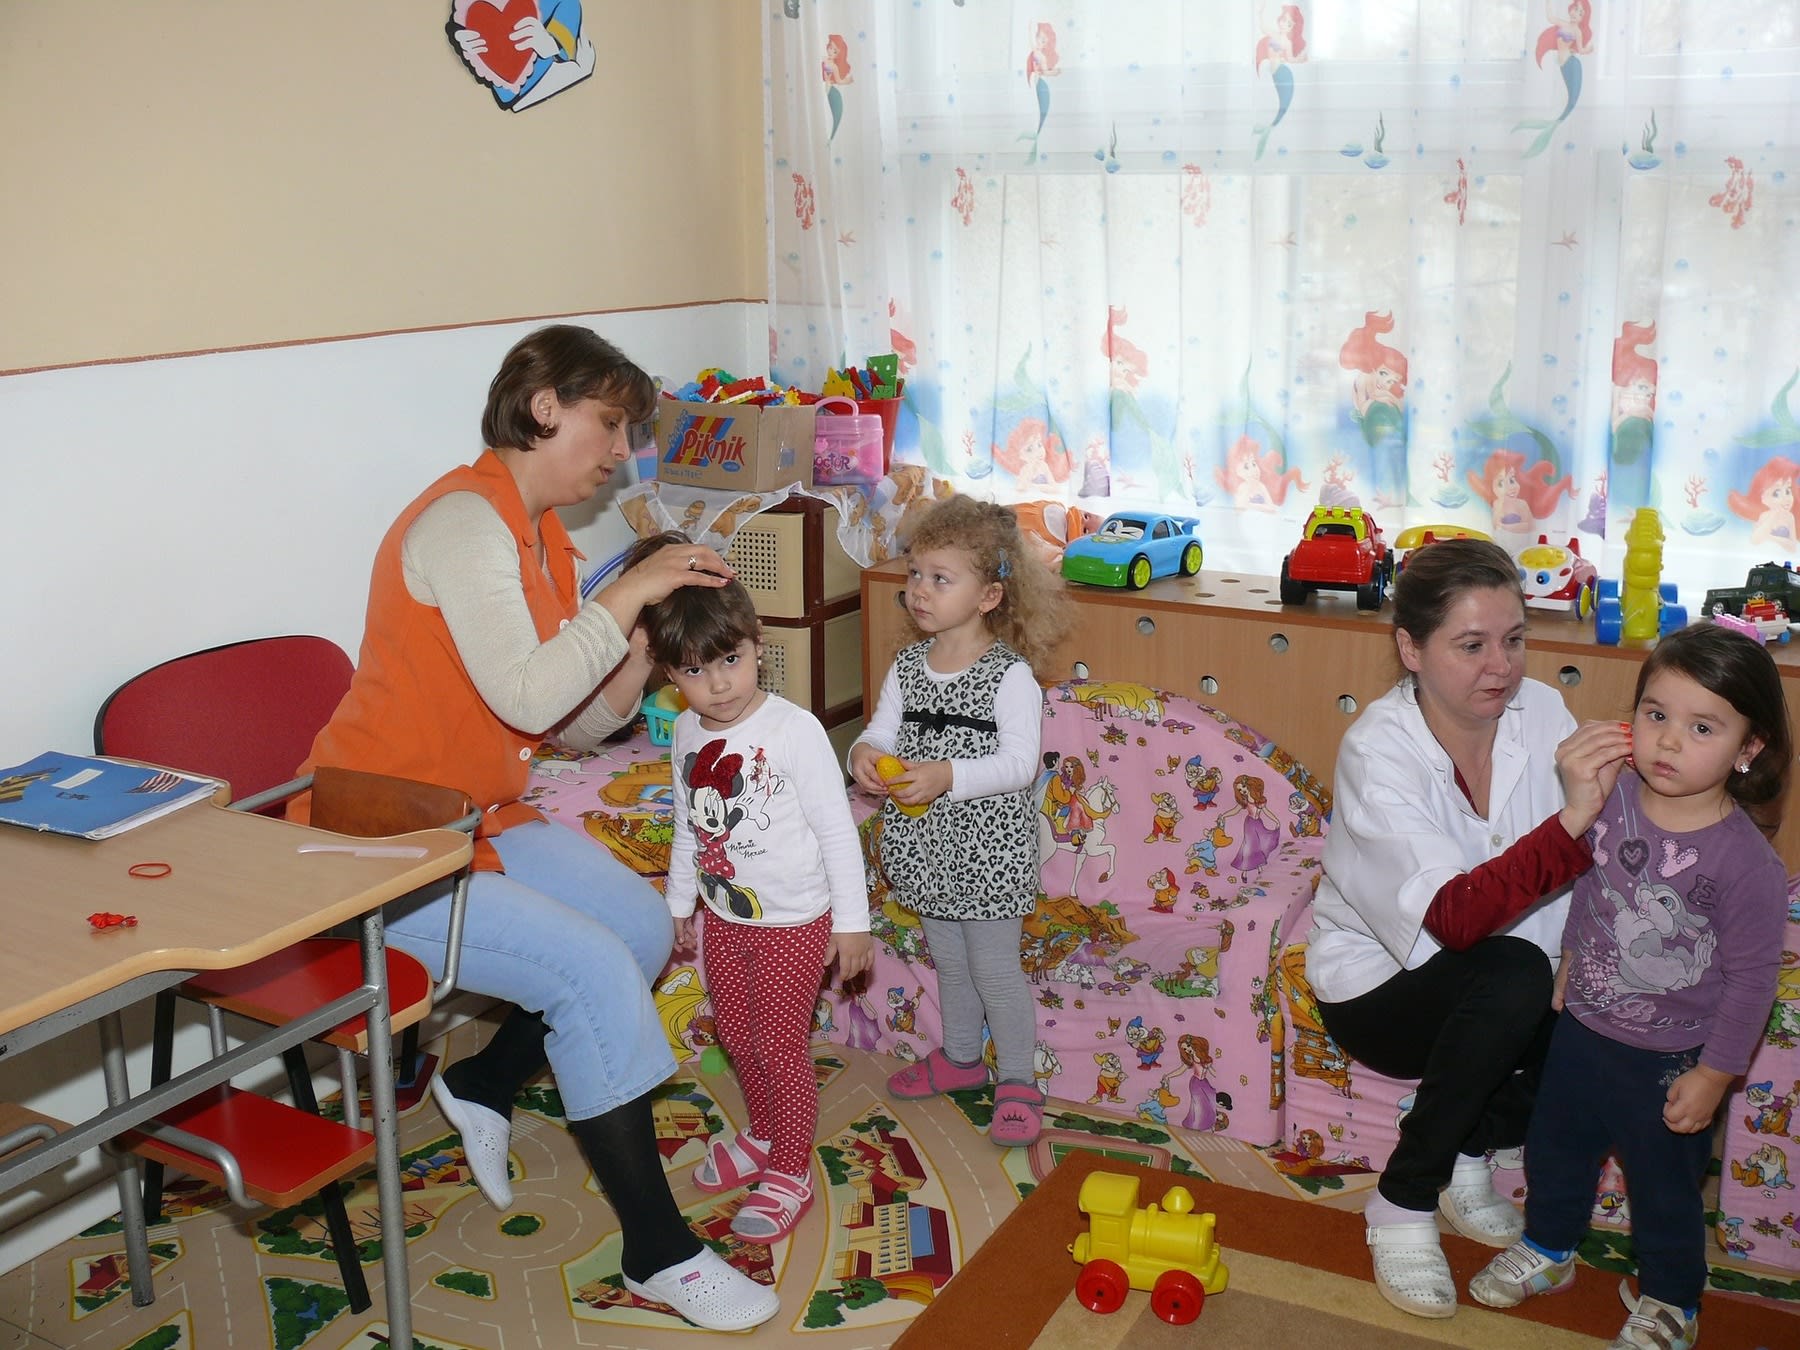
(818, 666)
(790, 560)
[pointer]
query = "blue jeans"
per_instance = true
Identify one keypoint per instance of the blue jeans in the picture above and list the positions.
(570, 932)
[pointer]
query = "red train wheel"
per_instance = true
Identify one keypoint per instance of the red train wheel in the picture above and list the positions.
(1101, 1286)
(1177, 1297)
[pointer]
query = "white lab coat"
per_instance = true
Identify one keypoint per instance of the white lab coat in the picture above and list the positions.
(1401, 828)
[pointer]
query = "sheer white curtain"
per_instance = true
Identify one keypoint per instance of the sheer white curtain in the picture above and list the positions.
(1515, 266)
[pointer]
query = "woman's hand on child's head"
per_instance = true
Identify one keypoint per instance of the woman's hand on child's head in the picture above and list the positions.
(854, 954)
(637, 645)
(1589, 761)
(676, 565)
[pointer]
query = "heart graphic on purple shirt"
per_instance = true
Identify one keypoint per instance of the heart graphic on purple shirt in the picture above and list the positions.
(1632, 855)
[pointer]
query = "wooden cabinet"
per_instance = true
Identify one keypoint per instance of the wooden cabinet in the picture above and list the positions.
(1296, 673)
(807, 591)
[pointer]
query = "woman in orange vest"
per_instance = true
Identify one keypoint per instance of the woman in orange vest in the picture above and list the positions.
(477, 647)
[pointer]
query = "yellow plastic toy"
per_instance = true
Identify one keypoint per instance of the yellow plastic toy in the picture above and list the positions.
(1642, 609)
(1643, 574)
(1167, 1250)
(890, 768)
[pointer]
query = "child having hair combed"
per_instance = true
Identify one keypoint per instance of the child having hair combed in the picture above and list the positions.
(1670, 956)
(961, 709)
(764, 837)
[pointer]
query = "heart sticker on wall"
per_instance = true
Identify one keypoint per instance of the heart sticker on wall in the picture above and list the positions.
(495, 25)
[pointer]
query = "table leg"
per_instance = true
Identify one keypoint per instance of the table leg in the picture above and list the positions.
(125, 1172)
(387, 1137)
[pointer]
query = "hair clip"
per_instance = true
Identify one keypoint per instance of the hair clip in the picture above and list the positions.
(1004, 570)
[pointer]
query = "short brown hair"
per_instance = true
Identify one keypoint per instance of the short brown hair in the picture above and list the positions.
(575, 363)
(1439, 574)
(694, 624)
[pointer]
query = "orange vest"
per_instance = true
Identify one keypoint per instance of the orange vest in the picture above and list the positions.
(412, 710)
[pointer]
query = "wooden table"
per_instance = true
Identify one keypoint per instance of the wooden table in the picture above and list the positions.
(239, 890)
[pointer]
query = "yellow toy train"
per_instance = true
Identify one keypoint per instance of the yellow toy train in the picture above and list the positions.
(1167, 1249)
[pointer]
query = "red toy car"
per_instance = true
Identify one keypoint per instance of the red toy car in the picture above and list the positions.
(1556, 576)
(1340, 549)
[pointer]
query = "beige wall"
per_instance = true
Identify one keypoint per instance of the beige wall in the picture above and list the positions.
(194, 174)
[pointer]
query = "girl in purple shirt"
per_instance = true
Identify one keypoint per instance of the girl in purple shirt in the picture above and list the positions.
(1670, 956)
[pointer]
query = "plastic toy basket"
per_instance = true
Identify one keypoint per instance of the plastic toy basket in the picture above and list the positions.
(660, 722)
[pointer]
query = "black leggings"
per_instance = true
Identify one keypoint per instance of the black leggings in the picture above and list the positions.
(1473, 1028)
(619, 1145)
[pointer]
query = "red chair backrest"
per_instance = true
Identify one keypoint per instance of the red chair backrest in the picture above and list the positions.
(246, 712)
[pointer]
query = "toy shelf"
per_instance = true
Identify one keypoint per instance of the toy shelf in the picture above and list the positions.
(1297, 673)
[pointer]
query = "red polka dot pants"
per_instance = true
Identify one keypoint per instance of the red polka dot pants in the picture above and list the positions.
(763, 982)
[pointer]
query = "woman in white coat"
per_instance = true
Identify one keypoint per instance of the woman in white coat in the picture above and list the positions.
(1463, 796)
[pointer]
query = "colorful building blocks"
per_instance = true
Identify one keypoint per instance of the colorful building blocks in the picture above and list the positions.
(1166, 1249)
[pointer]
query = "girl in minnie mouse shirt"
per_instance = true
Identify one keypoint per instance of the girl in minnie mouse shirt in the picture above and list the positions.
(765, 853)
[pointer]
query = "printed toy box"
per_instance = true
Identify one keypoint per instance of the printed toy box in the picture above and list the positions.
(733, 445)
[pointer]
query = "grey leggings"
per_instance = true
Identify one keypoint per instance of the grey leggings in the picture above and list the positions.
(980, 979)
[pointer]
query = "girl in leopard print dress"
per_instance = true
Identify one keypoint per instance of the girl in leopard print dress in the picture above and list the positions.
(962, 709)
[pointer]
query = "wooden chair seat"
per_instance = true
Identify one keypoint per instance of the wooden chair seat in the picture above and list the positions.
(294, 981)
(286, 1153)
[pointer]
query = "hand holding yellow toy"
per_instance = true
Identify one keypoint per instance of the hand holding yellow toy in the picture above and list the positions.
(891, 768)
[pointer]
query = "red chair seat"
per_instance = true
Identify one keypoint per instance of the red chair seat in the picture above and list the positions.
(286, 1153)
(306, 976)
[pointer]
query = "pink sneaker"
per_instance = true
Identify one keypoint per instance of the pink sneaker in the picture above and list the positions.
(1018, 1115)
(936, 1074)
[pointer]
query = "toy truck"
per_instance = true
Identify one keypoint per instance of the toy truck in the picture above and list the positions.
(1767, 599)
(1167, 1249)
(1340, 548)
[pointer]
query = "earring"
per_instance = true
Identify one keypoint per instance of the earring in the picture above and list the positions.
(1743, 768)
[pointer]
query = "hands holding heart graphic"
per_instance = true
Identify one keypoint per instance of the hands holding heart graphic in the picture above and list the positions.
(524, 50)
(500, 45)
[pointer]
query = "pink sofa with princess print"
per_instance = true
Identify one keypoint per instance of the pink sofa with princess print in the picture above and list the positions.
(1172, 839)
(1176, 839)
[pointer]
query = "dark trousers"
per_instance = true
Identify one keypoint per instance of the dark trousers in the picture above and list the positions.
(1599, 1094)
(1473, 1028)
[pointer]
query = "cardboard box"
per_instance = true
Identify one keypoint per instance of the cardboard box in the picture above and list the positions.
(732, 445)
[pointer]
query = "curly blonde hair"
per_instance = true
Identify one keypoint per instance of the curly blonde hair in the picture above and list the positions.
(1034, 614)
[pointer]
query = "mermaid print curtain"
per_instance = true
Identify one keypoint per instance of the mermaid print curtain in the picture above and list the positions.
(1510, 265)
